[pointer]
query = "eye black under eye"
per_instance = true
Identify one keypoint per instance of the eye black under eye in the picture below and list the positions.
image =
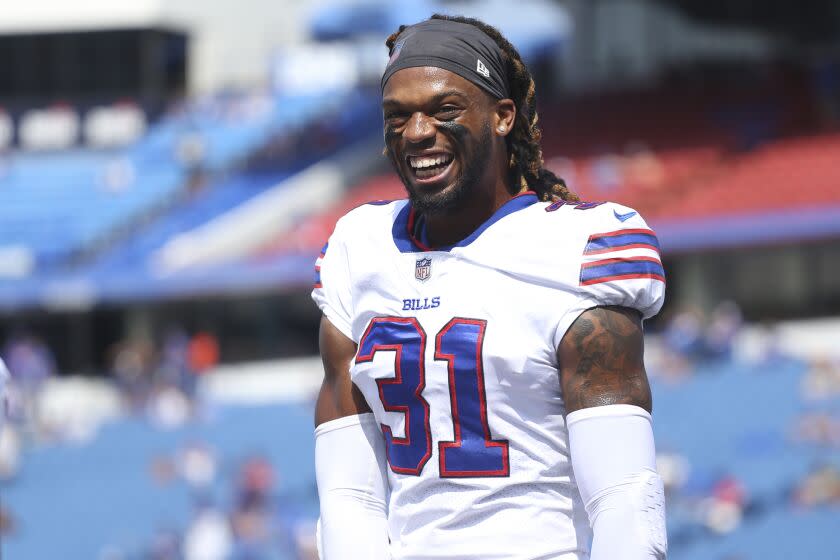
(395, 117)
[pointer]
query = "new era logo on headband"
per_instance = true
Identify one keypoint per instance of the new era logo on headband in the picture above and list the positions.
(453, 46)
(481, 69)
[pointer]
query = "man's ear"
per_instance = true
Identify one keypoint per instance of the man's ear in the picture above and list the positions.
(504, 117)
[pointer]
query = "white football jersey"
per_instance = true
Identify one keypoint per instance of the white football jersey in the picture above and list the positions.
(457, 359)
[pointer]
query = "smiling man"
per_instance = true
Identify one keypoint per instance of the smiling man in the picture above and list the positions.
(484, 392)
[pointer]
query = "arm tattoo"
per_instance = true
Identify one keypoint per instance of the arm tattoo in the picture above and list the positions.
(601, 360)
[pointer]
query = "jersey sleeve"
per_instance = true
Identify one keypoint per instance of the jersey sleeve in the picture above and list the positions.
(331, 289)
(618, 264)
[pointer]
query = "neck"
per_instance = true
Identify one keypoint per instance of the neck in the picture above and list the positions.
(451, 227)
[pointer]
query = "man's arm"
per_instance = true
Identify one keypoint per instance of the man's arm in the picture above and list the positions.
(608, 400)
(349, 460)
(601, 360)
(338, 396)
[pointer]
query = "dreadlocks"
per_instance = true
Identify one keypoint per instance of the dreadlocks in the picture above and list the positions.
(526, 160)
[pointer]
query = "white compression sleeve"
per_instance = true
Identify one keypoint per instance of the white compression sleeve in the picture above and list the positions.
(614, 461)
(352, 489)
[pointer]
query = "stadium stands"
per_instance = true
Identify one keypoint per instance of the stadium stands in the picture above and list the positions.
(133, 209)
(746, 454)
(690, 185)
(59, 204)
(117, 219)
(56, 204)
(202, 207)
(798, 172)
(60, 494)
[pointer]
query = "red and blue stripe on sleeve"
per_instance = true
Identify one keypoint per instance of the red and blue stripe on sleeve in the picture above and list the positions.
(318, 261)
(621, 255)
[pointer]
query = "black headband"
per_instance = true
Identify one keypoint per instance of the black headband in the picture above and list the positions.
(458, 47)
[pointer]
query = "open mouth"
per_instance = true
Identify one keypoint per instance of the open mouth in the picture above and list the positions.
(430, 167)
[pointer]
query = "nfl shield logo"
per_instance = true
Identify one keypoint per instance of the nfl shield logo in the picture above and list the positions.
(423, 269)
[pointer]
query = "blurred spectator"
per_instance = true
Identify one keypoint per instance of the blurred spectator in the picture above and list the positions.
(252, 518)
(203, 352)
(174, 368)
(255, 484)
(684, 333)
(191, 149)
(729, 489)
(683, 344)
(31, 364)
(819, 429)
(253, 529)
(822, 381)
(690, 338)
(171, 399)
(191, 153)
(674, 469)
(766, 348)
(208, 536)
(168, 408)
(132, 369)
(643, 168)
(724, 510)
(197, 465)
(819, 487)
(8, 524)
(724, 325)
(10, 452)
(118, 175)
(29, 360)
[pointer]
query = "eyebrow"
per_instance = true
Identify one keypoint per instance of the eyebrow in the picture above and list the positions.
(437, 98)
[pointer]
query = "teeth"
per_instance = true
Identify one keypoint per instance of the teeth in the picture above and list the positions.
(421, 162)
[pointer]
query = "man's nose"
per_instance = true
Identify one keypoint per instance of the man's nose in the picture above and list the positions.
(419, 128)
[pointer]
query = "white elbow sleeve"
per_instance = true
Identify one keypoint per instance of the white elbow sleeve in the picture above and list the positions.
(352, 489)
(614, 461)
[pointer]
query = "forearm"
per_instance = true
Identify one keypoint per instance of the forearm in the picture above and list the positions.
(352, 489)
(613, 457)
(608, 398)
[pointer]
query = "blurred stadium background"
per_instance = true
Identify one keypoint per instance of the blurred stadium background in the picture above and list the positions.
(169, 170)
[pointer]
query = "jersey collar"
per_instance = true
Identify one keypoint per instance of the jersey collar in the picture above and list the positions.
(410, 236)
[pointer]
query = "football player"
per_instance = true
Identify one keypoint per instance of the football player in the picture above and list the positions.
(484, 392)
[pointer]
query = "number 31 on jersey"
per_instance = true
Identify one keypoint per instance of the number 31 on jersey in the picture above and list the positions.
(473, 452)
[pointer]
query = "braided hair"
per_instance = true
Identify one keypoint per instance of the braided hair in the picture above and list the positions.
(523, 142)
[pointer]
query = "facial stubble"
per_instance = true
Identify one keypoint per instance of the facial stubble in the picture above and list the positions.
(472, 165)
